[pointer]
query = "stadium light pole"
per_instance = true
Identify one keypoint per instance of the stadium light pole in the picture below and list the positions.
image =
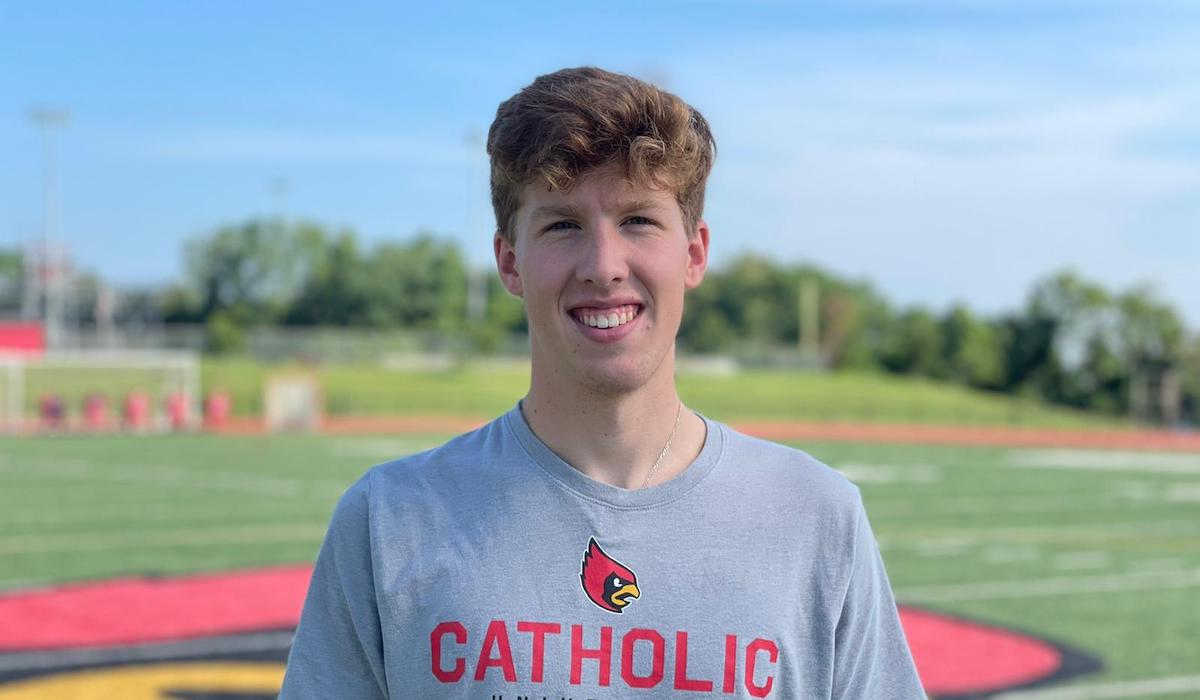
(279, 187)
(477, 280)
(48, 285)
(810, 320)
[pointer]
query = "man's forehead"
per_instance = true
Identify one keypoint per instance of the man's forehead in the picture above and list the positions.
(591, 192)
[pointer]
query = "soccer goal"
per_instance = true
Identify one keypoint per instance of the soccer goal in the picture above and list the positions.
(292, 402)
(142, 391)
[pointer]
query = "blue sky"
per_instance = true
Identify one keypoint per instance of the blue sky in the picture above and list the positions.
(946, 150)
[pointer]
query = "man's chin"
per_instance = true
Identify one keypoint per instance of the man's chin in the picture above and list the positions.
(605, 371)
(615, 379)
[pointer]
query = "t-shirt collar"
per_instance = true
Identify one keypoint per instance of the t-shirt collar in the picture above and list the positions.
(615, 496)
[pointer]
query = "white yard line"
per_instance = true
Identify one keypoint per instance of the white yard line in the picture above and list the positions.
(191, 537)
(1009, 553)
(1107, 460)
(940, 549)
(908, 509)
(143, 512)
(1077, 561)
(163, 475)
(1071, 533)
(1183, 493)
(1111, 691)
(874, 473)
(377, 448)
(1061, 585)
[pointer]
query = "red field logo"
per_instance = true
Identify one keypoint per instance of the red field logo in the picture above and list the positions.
(226, 636)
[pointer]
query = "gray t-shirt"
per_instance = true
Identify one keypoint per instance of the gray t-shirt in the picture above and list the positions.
(490, 569)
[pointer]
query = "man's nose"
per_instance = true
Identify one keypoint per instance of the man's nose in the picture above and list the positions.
(604, 258)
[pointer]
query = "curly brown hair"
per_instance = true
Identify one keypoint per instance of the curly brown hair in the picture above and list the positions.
(572, 121)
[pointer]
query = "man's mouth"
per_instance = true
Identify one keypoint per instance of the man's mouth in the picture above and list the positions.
(613, 317)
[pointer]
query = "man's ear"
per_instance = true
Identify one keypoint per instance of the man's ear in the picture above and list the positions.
(506, 264)
(697, 255)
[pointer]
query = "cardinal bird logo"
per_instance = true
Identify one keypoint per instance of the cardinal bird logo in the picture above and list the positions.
(607, 582)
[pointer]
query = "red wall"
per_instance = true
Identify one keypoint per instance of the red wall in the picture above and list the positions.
(22, 338)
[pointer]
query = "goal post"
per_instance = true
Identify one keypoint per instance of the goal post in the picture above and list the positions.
(99, 389)
(12, 391)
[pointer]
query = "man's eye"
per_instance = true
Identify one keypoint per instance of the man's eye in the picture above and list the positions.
(561, 226)
(639, 221)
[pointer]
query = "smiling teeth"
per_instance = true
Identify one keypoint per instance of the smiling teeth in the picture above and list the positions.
(608, 318)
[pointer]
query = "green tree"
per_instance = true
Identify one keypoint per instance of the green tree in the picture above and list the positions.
(1028, 344)
(971, 350)
(252, 271)
(503, 310)
(1080, 317)
(1150, 330)
(760, 301)
(705, 327)
(333, 293)
(1189, 366)
(223, 334)
(416, 284)
(1102, 381)
(855, 322)
(914, 345)
(1100, 343)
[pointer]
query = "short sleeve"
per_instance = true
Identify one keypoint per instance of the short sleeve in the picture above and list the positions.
(338, 647)
(871, 656)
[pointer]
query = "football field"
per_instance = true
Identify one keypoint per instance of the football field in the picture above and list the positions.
(1096, 552)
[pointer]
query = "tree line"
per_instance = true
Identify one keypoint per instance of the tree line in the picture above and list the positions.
(1074, 342)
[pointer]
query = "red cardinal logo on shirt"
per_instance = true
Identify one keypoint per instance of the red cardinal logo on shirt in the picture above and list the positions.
(607, 582)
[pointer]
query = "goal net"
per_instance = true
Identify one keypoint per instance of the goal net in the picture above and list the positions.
(96, 391)
(292, 402)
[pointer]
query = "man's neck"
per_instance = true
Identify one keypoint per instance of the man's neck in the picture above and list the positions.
(616, 439)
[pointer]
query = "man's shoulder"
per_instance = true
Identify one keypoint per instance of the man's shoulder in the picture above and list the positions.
(787, 471)
(417, 489)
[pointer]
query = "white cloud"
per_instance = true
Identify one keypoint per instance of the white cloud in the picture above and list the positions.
(260, 144)
(955, 182)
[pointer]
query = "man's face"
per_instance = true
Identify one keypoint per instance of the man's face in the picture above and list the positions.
(603, 270)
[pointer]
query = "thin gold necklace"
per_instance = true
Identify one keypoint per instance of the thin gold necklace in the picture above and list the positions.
(666, 447)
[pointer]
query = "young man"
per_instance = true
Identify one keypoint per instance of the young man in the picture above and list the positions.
(600, 540)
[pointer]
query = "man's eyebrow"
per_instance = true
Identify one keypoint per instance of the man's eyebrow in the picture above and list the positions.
(640, 204)
(553, 210)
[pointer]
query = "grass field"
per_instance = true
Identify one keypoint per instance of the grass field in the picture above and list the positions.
(480, 391)
(1100, 550)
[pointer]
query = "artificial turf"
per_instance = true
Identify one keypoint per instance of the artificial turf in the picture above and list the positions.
(1097, 550)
